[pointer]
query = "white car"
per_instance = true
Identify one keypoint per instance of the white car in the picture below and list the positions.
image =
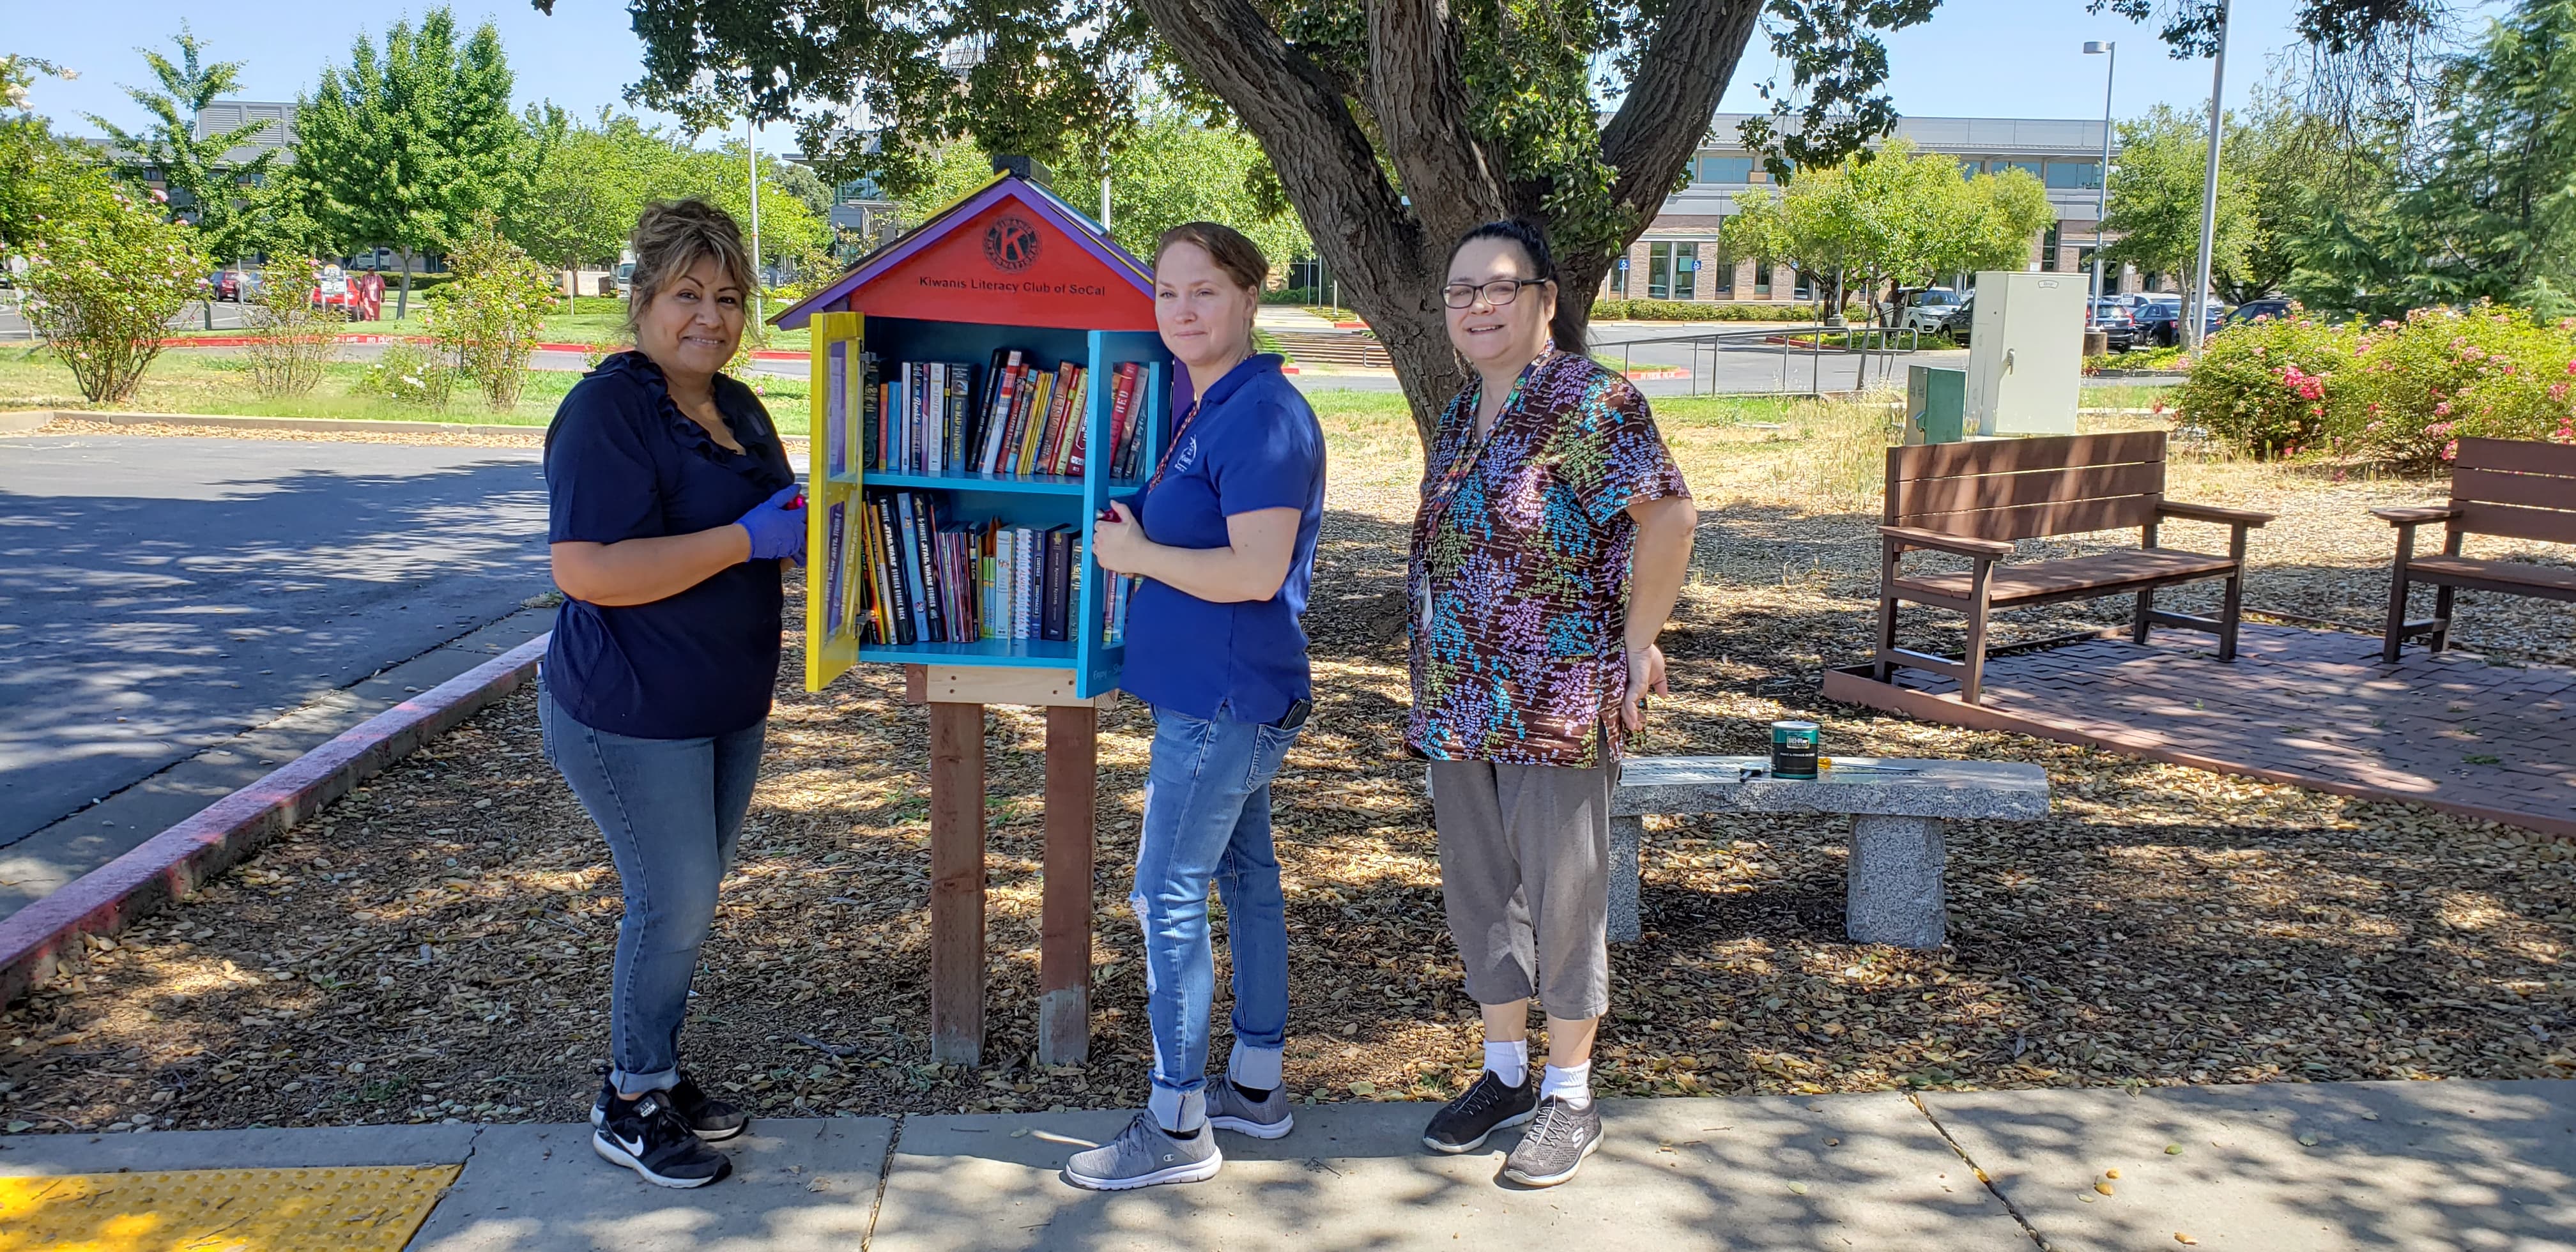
(1927, 310)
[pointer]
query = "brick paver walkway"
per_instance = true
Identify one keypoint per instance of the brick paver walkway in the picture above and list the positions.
(2315, 707)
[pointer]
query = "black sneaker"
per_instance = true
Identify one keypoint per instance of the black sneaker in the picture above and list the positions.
(712, 1119)
(1462, 1124)
(647, 1136)
(1555, 1144)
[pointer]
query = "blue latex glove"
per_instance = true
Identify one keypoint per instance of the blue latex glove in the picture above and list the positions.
(776, 530)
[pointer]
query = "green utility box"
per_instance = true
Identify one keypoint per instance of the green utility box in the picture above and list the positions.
(1936, 404)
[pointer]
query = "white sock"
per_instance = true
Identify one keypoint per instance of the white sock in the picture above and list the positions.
(1572, 1084)
(1509, 1061)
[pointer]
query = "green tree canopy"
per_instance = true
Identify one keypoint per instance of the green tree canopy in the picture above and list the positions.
(2155, 197)
(405, 148)
(1893, 215)
(1392, 127)
(206, 188)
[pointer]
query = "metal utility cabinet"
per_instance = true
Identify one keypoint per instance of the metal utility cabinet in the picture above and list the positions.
(2025, 353)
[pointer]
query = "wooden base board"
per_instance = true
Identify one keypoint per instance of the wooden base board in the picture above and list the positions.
(1854, 685)
(986, 684)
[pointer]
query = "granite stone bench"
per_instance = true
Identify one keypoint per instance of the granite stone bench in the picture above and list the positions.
(1892, 886)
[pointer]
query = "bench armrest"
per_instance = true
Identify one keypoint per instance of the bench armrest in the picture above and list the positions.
(2416, 514)
(1913, 537)
(2213, 513)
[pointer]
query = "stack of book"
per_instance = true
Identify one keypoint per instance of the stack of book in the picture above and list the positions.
(925, 578)
(933, 417)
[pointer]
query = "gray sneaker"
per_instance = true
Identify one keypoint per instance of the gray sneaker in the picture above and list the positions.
(1555, 1144)
(1230, 1109)
(1143, 1156)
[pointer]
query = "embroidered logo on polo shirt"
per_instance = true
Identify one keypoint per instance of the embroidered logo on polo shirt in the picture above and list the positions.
(1011, 242)
(1187, 456)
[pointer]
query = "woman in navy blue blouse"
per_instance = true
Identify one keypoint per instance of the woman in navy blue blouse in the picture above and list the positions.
(672, 508)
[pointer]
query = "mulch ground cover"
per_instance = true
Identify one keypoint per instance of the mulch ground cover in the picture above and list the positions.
(436, 945)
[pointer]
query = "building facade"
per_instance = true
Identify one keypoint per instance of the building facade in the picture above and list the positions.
(1683, 254)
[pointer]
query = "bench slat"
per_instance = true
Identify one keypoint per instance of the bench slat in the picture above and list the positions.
(2530, 456)
(2034, 521)
(2494, 574)
(1962, 790)
(1990, 456)
(2486, 486)
(2514, 522)
(2107, 572)
(1926, 497)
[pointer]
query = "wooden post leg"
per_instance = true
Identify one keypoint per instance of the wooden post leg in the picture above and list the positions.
(1064, 930)
(1972, 683)
(2146, 612)
(957, 883)
(2396, 637)
(1885, 665)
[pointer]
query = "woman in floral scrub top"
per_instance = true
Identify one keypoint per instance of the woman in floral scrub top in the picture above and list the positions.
(1551, 542)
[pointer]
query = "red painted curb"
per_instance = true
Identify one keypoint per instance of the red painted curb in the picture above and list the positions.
(35, 940)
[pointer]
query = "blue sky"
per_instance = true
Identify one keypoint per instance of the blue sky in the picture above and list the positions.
(2009, 58)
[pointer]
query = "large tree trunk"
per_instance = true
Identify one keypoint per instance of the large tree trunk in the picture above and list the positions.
(1390, 249)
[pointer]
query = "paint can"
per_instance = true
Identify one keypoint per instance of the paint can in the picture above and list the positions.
(1793, 749)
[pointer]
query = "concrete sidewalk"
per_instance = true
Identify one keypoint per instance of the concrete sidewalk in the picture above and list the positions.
(2272, 1167)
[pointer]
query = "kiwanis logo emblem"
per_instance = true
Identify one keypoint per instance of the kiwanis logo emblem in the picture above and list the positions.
(1011, 242)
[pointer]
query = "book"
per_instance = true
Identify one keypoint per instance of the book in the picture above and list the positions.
(959, 409)
(997, 418)
(1025, 559)
(871, 392)
(1080, 408)
(924, 522)
(834, 571)
(1059, 563)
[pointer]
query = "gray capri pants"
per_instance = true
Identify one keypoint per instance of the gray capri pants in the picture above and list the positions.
(1525, 873)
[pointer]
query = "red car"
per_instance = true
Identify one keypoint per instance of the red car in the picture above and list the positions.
(359, 297)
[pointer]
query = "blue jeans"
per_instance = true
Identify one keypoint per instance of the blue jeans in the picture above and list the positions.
(1207, 820)
(672, 811)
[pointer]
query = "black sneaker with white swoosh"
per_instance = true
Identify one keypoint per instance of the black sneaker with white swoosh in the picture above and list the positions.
(647, 1135)
(712, 1119)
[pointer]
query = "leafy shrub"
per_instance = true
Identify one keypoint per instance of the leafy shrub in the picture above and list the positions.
(410, 375)
(2397, 392)
(290, 338)
(1292, 295)
(1614, 309)
(103, 281)
(489, 314)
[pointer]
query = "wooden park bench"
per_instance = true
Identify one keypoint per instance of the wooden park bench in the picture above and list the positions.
(1975, 499)
(1892, 883)
(2506, 488)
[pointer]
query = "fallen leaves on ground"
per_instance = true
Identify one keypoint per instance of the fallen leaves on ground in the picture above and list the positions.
(410, 954)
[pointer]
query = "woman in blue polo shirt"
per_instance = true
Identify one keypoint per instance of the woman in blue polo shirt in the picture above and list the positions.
(672, 508)
(1223, 539)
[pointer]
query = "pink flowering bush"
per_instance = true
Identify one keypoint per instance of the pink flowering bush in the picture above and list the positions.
(2402, 393)
(104, 277)
(487, 319)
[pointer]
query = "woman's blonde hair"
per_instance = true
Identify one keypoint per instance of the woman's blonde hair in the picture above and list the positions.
(671, 236)
(1233, 253)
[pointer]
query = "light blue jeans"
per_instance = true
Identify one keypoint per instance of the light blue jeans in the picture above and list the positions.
(671, 810)
(1207, 821)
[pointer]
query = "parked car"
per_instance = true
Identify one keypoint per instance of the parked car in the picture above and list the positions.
(625, 279)
(2160, 321)
(358, 297)
(1923, 310)
(1958, 320)
(235, 285)
(2268, 306)
(2114, 322)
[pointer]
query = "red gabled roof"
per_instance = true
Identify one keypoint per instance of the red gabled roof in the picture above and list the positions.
(1011, 253)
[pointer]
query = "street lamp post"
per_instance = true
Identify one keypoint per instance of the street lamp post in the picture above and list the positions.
(2199, 303)
(751, 145)
(2102, 184)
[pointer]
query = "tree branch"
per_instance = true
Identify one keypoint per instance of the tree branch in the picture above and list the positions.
(1418, 90)
(1682, 75)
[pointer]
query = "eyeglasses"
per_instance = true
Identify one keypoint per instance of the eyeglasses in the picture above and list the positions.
(1499, 292)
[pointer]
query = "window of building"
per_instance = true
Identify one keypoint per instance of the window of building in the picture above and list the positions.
(1721, 278)
(2048, 248)
(1724, 169)
(1762, 275)
(1970, 167)
(2037, 170)
(2074, 175)
(1672, 271)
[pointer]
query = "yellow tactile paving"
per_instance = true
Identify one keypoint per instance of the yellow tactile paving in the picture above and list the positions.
(221, 1210)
